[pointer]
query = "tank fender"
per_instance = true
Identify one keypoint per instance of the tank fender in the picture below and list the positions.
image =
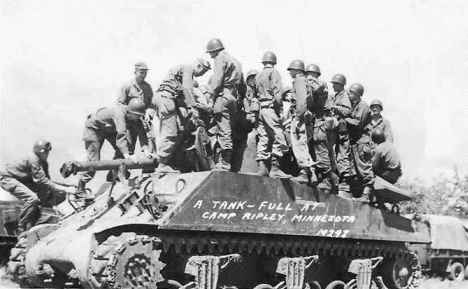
(36, 233)
(145, 228)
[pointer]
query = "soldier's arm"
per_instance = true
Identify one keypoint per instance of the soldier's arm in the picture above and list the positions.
(218, 76)
(376, 160)
(388, 132)
(276, 87)
(148, 95)
(142, 136)
(300, 87)
(344, 108)
(122, 96)
(362, 118)
(39, 176)
(121, 139)
(187, 85)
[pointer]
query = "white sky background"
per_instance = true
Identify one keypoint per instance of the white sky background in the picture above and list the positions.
(64, 59)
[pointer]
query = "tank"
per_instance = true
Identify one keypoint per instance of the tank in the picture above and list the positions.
(218, 229)
(9, 209)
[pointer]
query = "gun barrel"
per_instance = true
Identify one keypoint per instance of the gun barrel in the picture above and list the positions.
(74, 167)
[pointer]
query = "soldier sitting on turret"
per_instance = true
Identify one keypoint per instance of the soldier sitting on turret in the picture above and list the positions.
(385, 161)
(28, 179)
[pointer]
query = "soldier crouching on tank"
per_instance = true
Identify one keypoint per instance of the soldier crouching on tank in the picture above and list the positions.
(360, 141)
(272, 144)
(385, 160)
(174, 101)
(114, 124)
(300, 125)
(28, 179)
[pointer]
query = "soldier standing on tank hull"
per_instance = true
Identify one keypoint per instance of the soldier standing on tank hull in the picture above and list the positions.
(317, 104)
(385, 160)
(300, 125)
(227, 84)
(113, 124)
(27, 179)
(173, 101)
(360, 140)
(378, 122)
(341, 107)
(272, 144)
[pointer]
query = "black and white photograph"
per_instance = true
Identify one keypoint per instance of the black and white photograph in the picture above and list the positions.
(192, 144)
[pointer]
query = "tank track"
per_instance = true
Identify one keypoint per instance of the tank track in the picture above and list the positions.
(16, 265)
(104, 269)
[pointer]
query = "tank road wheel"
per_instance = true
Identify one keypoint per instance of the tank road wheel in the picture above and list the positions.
(457, 272)
(127, 261)
(337, 284)
(403, 272)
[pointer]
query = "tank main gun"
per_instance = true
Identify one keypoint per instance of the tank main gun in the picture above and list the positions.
(74, 167)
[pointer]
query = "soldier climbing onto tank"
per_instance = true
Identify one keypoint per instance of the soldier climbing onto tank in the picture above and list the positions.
(378, 122)
(322, 125)
(272, 144)
(227, 87)
(340, 105)
(360, 140)
(28, 179)
(301, 124)
(137, 87)
(174, 101)
(113, 124)
(385, 160)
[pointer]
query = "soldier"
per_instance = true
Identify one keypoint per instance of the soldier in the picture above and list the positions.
(317, 104)
(300, 124)
(113, 124)
(139, 88)
(378, 122)
(359, 139)
(340, 105)
(251, 103)
(385, 161)
(272, 143)
(28, 179)
(227, 85)
(172, 101)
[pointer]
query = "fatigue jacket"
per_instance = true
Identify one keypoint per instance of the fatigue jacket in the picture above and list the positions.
(227, 73)
(269, 86)
(318, 91)
(385, 158)
(31, 170)
(134, 90)
(383, 125)
(110, 122)
(179, 84)
(300, 93)
(343, 104)
(360, 117)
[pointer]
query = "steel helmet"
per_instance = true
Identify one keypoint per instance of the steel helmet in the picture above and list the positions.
(313, 68)
(41, 146)
(214, 45)
(357, 88)
(376, 102)
(296, 64)
(269, 57)
(252, 72)
(204, 63)
(339, 78)
(378, 136)
(136, 106)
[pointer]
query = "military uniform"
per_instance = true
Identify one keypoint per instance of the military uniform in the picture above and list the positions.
(342, 146)
(110, 124)
(271, 139)
(174, 96)
(382, 124)
(301, 124)
(360, 141)
(386, 162)
(28, 179)
(226, 86)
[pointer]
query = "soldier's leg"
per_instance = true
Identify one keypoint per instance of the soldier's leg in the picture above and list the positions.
(391, 176)
(168, 133)
(263, 145)
(275, 130)
(323, 163)
(29, 199)
(222, 117)
(301, 151)
(363, 162)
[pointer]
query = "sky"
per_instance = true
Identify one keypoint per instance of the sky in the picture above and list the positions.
(62, 60)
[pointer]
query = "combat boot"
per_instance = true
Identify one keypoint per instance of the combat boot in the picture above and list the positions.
(366, 195)
(224, 162)
(263, 169)
(165, 169)
(302, 178)
(82, 193)
(275, 171)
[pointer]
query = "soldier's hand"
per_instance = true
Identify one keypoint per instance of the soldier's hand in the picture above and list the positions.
(133, 158)
(148, 154)
(69, 190)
